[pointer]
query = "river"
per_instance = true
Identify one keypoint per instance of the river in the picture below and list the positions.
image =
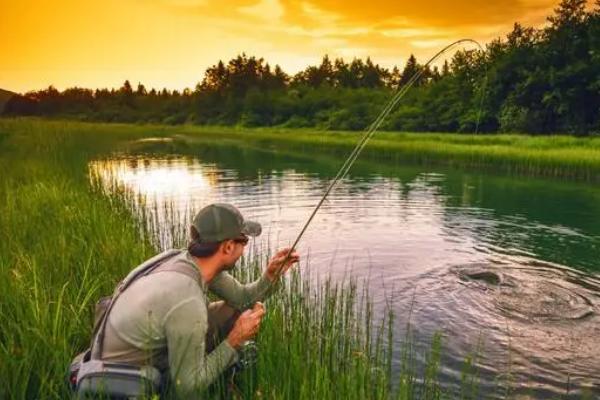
(506, 267)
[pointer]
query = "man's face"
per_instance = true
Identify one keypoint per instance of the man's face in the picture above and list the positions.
(233, 250)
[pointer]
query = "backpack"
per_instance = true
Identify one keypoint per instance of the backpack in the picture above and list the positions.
(89, 375)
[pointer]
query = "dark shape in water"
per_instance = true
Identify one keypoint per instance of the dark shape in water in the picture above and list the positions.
(521, 293)
(489, 277)
(544, 300)
(485, 274)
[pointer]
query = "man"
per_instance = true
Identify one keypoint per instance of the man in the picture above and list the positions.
(165, 319)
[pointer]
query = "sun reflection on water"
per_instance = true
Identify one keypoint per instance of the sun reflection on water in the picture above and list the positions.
(157, 178)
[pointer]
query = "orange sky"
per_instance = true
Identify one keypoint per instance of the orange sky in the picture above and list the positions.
(169, 43)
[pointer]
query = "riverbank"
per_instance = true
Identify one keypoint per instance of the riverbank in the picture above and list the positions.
(562, 157)
(64, 243)
(559, 157)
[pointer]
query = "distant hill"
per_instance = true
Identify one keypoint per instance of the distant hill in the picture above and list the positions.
(4, 96)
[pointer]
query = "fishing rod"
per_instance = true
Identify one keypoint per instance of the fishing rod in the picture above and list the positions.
(369, 132)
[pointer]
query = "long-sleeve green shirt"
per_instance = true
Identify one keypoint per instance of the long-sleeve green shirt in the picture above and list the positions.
(161, 319)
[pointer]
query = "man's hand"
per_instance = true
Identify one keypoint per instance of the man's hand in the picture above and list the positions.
(280, 263)
(246, 326)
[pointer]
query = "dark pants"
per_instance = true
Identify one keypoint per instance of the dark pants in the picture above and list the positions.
(221, 318)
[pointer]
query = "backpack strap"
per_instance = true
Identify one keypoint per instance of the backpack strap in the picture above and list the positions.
(142, 270)
(180, 266)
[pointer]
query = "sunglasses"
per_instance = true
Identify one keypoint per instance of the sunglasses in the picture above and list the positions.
(243, 240)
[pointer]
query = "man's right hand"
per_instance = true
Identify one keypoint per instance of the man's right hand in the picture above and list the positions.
(246, 326)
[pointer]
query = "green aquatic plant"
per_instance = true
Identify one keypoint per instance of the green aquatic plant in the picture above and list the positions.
(64, 242)
(561, 157)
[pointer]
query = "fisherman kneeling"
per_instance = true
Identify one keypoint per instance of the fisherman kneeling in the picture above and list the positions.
(160, 315)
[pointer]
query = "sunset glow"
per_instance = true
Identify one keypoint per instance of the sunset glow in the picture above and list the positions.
(169, 43)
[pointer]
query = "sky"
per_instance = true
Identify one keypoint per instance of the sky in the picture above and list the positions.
(170, 43)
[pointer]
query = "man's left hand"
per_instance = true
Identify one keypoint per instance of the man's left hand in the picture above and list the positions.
(280, 263)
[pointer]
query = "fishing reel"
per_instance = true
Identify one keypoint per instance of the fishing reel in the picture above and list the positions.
(248, 355)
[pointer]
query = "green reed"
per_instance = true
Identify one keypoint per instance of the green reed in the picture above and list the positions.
(563, 157)
(64, 242)
(61, 247)
(319, 338)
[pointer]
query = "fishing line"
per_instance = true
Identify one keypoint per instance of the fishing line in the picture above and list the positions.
(370, 131)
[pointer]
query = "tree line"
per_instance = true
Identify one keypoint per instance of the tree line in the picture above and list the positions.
(537, 81)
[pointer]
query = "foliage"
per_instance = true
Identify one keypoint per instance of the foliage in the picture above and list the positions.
(537, 81)
(64, 243)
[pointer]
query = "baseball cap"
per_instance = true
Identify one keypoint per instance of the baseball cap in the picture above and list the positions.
(220, 221)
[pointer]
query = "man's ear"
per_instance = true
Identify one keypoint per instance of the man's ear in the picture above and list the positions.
(226, 247)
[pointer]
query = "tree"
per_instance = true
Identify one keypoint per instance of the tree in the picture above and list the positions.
(342, 76)
(126, 94)
(411, 69)
(532, 80)
(568, 14)
(126, 88)
(445, 68)
(141, 90)
(315, 76)
(373, 75)
(394, 78)
(215, 79)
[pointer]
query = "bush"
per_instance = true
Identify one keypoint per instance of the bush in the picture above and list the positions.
(297, 121)
(175, 119)
(513, 119)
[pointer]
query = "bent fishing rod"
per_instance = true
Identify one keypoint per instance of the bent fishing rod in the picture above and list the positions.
(369, 132)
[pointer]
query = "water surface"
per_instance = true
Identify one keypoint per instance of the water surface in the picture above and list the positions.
(506, 267)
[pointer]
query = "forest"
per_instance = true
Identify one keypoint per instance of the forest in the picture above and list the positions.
(535, 80)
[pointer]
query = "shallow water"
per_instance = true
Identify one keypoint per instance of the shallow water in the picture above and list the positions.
(508, 268)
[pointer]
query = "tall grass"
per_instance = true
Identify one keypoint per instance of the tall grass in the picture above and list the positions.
(65, 242)
(61, 246)
(319, 339)
(563, 157)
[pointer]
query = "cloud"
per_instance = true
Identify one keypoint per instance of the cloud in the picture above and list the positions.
(186, 3)
(171, 42)
(413, 32)
(269, 10)
(435, 13)
(356, 27)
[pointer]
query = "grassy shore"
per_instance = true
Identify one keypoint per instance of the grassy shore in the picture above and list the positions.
(564, 157)
(64, 243)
